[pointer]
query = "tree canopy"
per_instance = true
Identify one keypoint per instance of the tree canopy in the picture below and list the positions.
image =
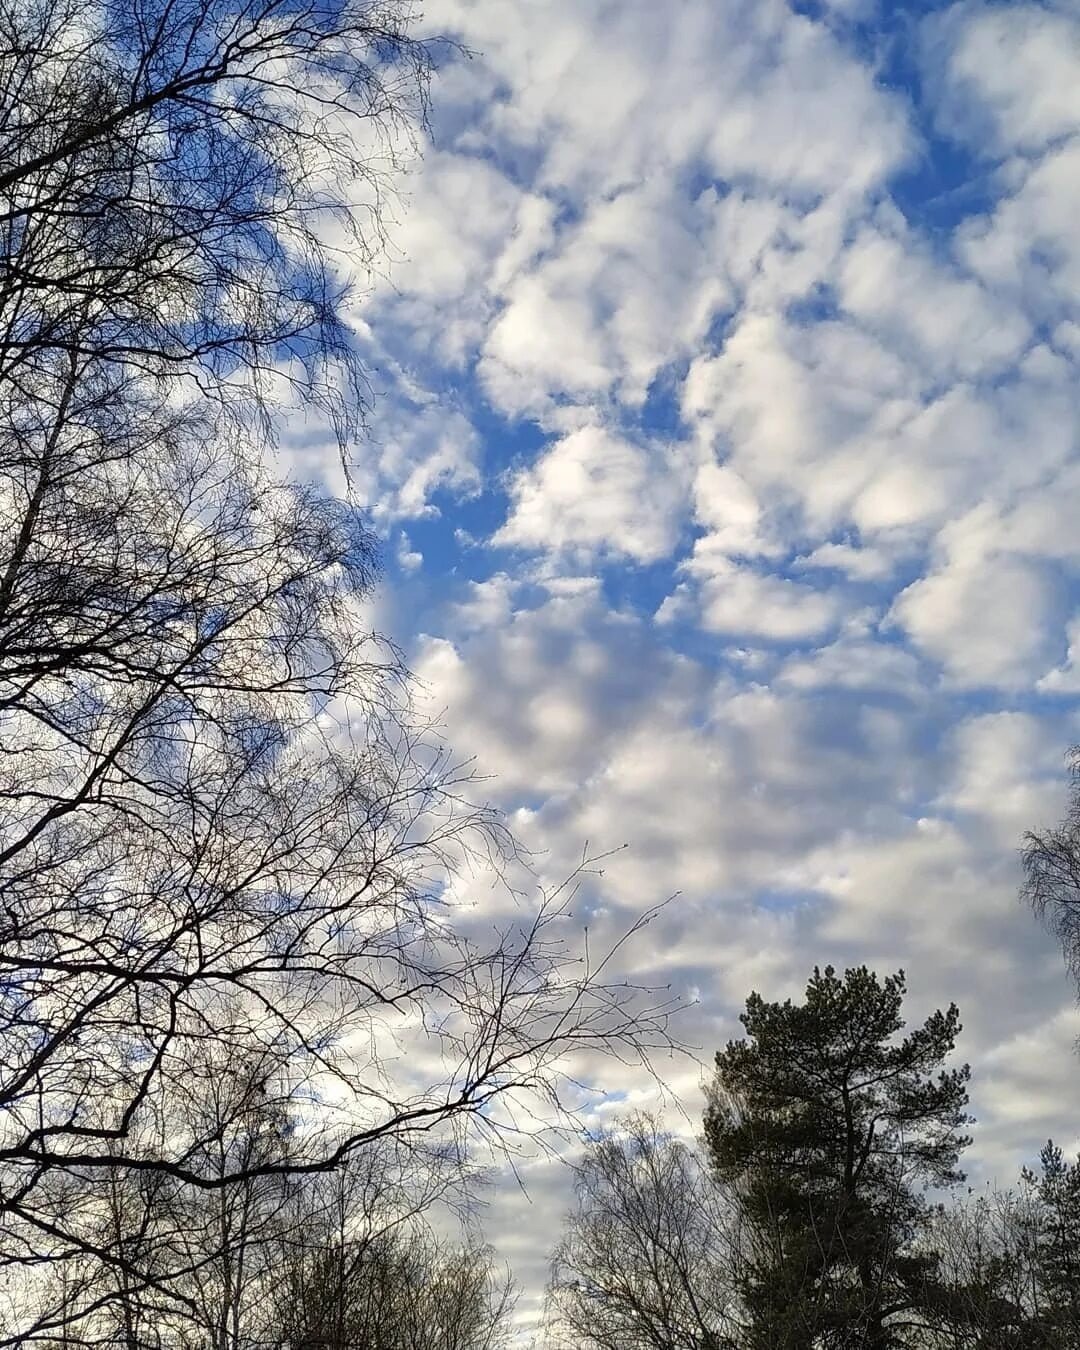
(830, 1123)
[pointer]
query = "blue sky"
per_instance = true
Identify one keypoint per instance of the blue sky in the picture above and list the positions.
(725, 450)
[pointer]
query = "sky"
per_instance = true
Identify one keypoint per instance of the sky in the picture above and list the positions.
(725, 454)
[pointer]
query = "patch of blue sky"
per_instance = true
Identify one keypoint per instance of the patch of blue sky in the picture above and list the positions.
(660, 415)
(640, 589)
(943, 186)
(818, 305)
(456, 525)
(453, 533)
(943, 183)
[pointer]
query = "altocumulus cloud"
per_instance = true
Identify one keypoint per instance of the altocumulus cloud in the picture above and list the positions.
(727, 435)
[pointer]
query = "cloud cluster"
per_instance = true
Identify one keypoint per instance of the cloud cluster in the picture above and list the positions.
(592, 492)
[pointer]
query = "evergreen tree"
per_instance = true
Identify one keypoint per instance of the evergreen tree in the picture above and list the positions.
(831, 1125)
(1055, 1189)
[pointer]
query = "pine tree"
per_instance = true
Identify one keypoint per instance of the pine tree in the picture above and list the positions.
(1055, 1189)
(832, 1125)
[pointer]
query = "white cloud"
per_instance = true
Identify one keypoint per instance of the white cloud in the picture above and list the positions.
(1005, 75)
(1022, 1091)
(744, 603)
(1026, 246)
(936, 457)
(726, 507)
(540, 694)
(779, 131)
(805, 413)
(1005, 82)
(408, 558)
(989, 618)
(607, 94)
(626, 290)
(421, 448)
(594, 492)
(860, 564)
(943, 321)
(1005, 770)
(489, 604)
(834, 434)
(466, 231)
(858, 659)
(1065, 678)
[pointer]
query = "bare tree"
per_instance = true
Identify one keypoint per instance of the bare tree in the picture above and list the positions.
(1051, 861)
(648, 1259)
(984, 1255)
(1006, 1264)
(407, 1290)
(251, 1262)
(221, 1242)
(153, 1261)
(323, 1260)
(363, 1267)
(171, 174)
(222, 832)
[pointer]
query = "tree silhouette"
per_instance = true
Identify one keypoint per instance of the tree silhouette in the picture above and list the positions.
(829, 1122)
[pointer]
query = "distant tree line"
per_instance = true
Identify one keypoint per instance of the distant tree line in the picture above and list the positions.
(818, 1211)
(379, 1252)
(345, 1260)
